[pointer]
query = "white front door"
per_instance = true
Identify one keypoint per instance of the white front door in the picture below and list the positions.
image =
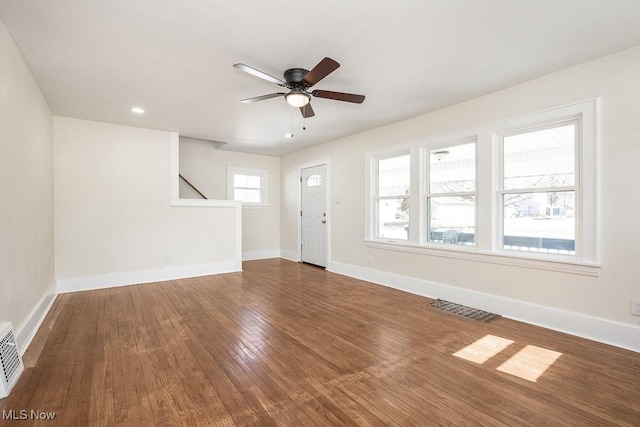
(313, 211)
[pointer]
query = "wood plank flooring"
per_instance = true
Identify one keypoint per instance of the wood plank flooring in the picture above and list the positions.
(292, 345)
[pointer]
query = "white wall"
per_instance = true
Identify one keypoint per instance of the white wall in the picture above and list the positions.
(114, 223)
(26, 191)
(186, 192)
(615, 80)
(206, 168)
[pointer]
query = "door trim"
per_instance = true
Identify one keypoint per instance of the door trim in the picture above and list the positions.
(327, 163)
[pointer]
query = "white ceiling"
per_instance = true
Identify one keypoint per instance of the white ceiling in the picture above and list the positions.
(95, 59)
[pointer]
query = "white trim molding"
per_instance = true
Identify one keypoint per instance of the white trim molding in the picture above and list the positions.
(112, 280)
(256, 255)
(174, 166)
(593, 328)
(503, 258)
(28, 329)
(290, 255)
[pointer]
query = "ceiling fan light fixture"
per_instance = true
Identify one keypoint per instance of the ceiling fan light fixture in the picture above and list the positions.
(299, 81)
(297, 98)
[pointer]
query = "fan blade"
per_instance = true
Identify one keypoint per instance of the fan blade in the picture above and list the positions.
(262, 98)
(307, 111)
(320, 71)
(338, 96)
(259, 74)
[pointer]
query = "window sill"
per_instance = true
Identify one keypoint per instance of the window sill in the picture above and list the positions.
(502, 258)
(204, 203)
(248, 205)
(254, 206)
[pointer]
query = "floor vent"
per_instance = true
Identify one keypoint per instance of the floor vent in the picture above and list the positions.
(10, 363)
(463, 311)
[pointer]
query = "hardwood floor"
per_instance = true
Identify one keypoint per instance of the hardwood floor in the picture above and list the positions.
(290, 344)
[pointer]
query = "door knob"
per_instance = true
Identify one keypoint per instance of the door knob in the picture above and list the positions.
(324, 221)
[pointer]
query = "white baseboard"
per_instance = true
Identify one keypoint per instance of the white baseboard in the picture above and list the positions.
(593, 328)
(289, 255)
(112, 280)
(28, 329)
(252, 256)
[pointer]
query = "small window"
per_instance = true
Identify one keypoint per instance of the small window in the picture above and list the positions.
(314, 180)
(451, 199)
(538, 190)
(247, 185)
(392, 201)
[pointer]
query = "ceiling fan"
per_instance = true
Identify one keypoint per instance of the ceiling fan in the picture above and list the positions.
(299, 81)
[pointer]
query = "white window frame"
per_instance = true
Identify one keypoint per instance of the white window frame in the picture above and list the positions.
(377, 197)
(264, 180)
(575, 187)
(488, 233)
(426, 154)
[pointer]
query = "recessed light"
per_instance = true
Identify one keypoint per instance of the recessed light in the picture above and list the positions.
(138, 110)
(288, 135)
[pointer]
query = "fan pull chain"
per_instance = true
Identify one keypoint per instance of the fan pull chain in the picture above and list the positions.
(291, 126)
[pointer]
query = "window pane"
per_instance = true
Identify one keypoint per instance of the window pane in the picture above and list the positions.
(452, 220)
(393, 176)
(247, 181)
(453, 169)
(540, 222)
(314, 181)
(544, 158)
(393, 218)
(246, 195)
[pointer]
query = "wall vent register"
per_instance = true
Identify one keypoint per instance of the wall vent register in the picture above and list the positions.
(11, 366)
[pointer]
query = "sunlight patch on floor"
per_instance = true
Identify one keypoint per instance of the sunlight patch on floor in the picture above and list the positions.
(530, 362)
(483, 349)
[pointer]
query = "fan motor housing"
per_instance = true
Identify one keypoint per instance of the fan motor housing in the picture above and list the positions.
(294, 76)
